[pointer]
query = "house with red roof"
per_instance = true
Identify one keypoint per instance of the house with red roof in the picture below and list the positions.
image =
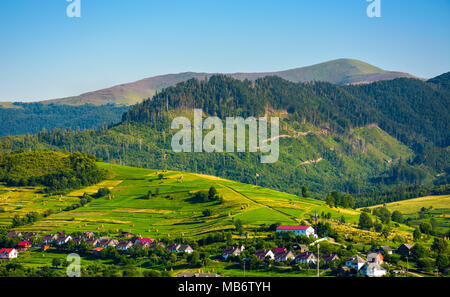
(124, 245)
(8, 253)
(276, 250)
(24, 245)
(143, 241)
(375, 258)
(97, 250)
(298, 230)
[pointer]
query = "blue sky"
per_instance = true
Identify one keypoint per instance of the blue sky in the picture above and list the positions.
(44, 54)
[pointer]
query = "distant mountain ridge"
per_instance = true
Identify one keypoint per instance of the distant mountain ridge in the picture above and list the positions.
(341, 71)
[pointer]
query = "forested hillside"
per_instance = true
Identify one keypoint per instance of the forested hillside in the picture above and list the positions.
(354, 139)
(410, 110)
(22, 118)
(58, 172)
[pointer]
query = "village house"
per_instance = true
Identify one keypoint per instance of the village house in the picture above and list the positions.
(126, 235)
(78, 240)
(405, 249)
(328, 258)
(143, 245)
(177, 248)
(49, 238)
(124, 245)
(298, 230)
(88, 234)
(264, 254)
(233, 251)
(134, 239)
(30, 236)
(63, 239)
(107, 242)
(302, 248)
(355, 262)
(385, 249)
(96, 251)
(375, 258)
(92, 241)
(143, 241)
(14, 234)
(186, 249)
(306, 258)
(156, 244)
(282, 255)
(24, 245)
(173, 247)
(8, 253)
(372, 270)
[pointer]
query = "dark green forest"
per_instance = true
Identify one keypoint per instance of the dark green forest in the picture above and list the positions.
(34, 117)
(368, 138)
(414, 112)
(58, 172)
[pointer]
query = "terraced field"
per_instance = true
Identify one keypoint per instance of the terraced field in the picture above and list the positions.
(169, 214)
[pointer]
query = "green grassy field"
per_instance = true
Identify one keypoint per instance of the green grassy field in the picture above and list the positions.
(169, 214)
(437, 207)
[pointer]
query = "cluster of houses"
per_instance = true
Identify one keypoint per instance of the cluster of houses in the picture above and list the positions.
(370, 267)
(89, 239)
(281, 255)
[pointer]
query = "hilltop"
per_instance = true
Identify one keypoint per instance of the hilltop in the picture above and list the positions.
(58, 172)
(169, 211)
(341, 71)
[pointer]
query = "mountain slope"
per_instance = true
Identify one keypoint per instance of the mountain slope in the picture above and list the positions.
(171, 211)
(342, 71)
(337, 137)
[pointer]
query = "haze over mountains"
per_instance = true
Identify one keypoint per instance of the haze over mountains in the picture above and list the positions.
(341, 71)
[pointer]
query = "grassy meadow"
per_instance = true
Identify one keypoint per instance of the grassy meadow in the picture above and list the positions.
(171, 213)
(423, 209)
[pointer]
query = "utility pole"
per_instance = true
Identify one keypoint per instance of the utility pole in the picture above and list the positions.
(244, 267)
(318, 260)
(407, 265)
